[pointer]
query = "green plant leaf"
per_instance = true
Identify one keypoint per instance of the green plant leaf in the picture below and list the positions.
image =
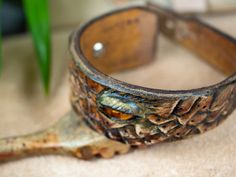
(37, 14)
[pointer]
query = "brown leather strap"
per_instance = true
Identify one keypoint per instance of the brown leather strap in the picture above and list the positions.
(138, 115)
(214, 46)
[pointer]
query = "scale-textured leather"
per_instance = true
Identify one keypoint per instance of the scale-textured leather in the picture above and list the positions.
(143, 116)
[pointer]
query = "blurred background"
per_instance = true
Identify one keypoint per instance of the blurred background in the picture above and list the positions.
(70, 13)
(26, 71)
(45, 18)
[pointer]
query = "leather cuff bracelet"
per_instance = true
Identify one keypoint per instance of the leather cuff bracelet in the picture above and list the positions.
(137, 115)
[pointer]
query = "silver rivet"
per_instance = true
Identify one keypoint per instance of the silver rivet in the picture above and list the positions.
(98, 49)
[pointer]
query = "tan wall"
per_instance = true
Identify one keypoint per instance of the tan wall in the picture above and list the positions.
(71, 12)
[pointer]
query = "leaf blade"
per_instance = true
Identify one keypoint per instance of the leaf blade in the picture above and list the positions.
(37, 15)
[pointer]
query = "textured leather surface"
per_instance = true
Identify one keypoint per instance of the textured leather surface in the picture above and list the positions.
(140, 116)
(157, 120)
